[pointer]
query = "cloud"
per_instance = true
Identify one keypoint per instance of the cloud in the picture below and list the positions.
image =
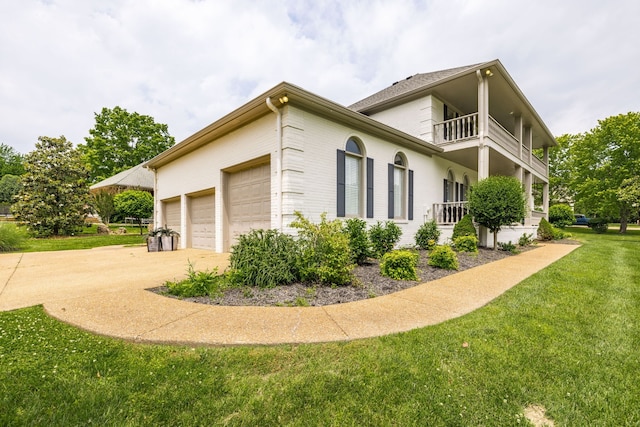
(187, 63)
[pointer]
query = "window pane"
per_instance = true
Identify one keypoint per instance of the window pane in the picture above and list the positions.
(352, 185)
(398, 192)
(352, 147)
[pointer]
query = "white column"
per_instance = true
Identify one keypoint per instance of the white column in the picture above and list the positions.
(483, 125)
(528, 194)
(184, 210)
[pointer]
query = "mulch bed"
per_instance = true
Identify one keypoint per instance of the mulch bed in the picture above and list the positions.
(369, 283)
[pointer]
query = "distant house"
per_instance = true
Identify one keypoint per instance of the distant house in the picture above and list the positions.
(136, 178)
(407, 153)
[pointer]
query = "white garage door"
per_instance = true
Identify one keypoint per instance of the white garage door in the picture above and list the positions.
(172, 215)
(249, 200)
(202, 212)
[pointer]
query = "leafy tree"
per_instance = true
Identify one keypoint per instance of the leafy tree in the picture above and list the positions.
(561, 169)
(103, 204)
(495, 202)
(603, 159)
(137, 204)
(10, 161)
(54, 197)
(9, 188)
(561, 215)
(121, 140)
(629, 195)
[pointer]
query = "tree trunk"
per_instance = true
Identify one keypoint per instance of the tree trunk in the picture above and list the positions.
(140, 225)
(495, 240)
(624, 219)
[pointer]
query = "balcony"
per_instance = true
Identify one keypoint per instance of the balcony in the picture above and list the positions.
(449, 213)
(465, 128)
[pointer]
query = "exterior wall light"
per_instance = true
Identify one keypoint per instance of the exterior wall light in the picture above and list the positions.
(488, 73)
(284, 99)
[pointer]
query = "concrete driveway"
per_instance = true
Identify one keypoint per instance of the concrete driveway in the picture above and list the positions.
(103, 291)
(42, 277)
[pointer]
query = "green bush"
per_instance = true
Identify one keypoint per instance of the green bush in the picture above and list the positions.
(545, 230)
(507, 247)
(525, 240)
(198, 283)
(466, 244)
(12, 238)
(384, 237)
(356, 230)
(325, 255)
(561, 215)
(428, 235)
(443, 257)
(464, 227)
(264, 258)
(599, 225)
(400, 265)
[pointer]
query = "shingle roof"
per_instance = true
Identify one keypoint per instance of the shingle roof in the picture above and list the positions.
(407, 85)
(137, 177)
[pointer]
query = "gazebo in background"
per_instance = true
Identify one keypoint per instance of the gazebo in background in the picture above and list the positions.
(136, 178)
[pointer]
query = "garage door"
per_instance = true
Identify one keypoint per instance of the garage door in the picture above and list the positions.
(249, 200)
(202, 213)
(172, 215)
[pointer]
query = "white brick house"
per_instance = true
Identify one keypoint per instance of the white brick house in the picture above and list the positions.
(407, 153)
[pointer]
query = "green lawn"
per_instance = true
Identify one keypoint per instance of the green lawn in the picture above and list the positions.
(568, 339)
(87, 239)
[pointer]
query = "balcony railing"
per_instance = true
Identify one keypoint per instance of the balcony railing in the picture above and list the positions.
(449, 212)
(466, 127)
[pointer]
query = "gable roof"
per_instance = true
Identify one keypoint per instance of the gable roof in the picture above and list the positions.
(299, 98)
(136, 177)
(408, 85)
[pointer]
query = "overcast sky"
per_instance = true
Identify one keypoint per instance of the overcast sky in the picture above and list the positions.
(187, 63)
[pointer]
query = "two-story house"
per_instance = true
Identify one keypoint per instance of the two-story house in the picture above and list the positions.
(407, 153)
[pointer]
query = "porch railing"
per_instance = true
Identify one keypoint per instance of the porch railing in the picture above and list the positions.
(449, 212)
(457, 129)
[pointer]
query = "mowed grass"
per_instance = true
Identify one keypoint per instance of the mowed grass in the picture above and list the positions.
(566, 339)
(86, 239)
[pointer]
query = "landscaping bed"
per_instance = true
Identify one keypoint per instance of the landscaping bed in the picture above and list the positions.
(368, 283)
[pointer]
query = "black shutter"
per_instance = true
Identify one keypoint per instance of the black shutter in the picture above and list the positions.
(341, 184)
(457, 197)
(444, 191)
(369, 187)
(410, 213)
(390, 200)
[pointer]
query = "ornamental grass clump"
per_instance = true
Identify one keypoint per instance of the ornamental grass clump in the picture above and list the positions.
(264, 258)
(443, 257)
(400, 265)
(12, 238)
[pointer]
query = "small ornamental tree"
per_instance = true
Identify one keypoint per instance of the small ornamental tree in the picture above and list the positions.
(54, 198)
(103, 205)
(495, 202)
(136, 204)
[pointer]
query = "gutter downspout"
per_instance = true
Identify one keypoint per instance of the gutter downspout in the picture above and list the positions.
(278, 159)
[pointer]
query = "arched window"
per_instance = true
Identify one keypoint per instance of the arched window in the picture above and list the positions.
(353, 178)
(449, 187)
(399, 186)
(465, 188)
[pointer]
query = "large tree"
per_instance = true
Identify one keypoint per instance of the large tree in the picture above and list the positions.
(120, 140)
(495, 202)
(10, 161)
(136, 204)
(561, 169)
(602, 160)
(54, 198)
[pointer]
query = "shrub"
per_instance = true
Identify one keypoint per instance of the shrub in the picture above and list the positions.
(428, 235)
(384, 237)
(443, 257)
(264, 258)
(325, 253)
(599, 225)
(356, 230)
(198, 283)
(400, 265)
(561, 215)
(12, 237)
(464, 227)
(466, 244)
(545, 230)
(525, 240)
(507, 247)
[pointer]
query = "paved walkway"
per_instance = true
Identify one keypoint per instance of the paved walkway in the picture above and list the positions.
(103, 291)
